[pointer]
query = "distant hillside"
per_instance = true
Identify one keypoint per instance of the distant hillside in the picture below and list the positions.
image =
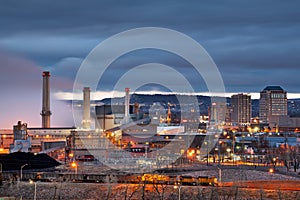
(204, 101)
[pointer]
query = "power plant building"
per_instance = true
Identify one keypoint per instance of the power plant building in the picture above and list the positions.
(86, 145)
(44, 139)
(50, 139)
(6, 139)
(110, 116)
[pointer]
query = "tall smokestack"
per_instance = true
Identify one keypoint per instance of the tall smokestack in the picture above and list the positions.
(86, 120)
(46, 113)
(127, 100)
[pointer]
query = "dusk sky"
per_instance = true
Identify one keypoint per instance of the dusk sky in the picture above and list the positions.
(253, 43)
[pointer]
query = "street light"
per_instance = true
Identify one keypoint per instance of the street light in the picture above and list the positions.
(207, 161)
(22, 171)
(74, 165)
(179, 187)
(228, 153)
(32, 182)
(219, 161)
(233, 144)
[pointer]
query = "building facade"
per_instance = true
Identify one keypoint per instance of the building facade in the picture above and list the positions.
(84, 144)
(6, 139)
(273, 101)
(218, 111)
(241, 109)
(110, 116)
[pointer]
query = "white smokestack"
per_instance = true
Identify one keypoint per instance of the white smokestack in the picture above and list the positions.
(127, 101)
(86, 120)
(46, 113)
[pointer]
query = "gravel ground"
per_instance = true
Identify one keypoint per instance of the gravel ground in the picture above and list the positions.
(233, 175)
(81, 191)
(88, 191)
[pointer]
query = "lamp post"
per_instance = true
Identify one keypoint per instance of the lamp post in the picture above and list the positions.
(228, 153)
(32, 182)
(207, 161)
(219, 152)
(179, 187)
(233, 144)
(21, 177)
(219, 161)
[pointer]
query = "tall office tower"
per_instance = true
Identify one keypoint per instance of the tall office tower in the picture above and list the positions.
(217, 111)
(86, 120)
(241, 109)
(273, 101)
(46, 113)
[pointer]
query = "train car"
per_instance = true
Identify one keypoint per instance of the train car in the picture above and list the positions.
(207, 181)
(158, 179)
(94, 178)
(85, 158)
(129, 178)
(173, 180)
(188, 180)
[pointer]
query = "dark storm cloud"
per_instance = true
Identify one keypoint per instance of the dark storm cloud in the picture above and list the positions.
(252, 42)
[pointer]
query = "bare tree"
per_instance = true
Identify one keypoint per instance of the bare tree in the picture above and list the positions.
(261, 194)
(279, 194)
(160, 188)
(130, 191)
(109, 180)
(236, 193)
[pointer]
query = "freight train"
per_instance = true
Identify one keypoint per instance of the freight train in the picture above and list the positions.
(180, 180)
(124, 178)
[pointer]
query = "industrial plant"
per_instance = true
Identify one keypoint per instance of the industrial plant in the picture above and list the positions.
(160, 137)
(132, 127)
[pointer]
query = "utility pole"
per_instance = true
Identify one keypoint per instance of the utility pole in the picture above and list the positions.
(219, 159)
(233, 144)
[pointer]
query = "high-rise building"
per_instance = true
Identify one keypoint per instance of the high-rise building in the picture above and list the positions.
(273, 101)
(218, 111)
(241, 109)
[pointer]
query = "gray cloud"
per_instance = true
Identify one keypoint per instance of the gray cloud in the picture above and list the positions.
(20, 89)
(249, 41)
